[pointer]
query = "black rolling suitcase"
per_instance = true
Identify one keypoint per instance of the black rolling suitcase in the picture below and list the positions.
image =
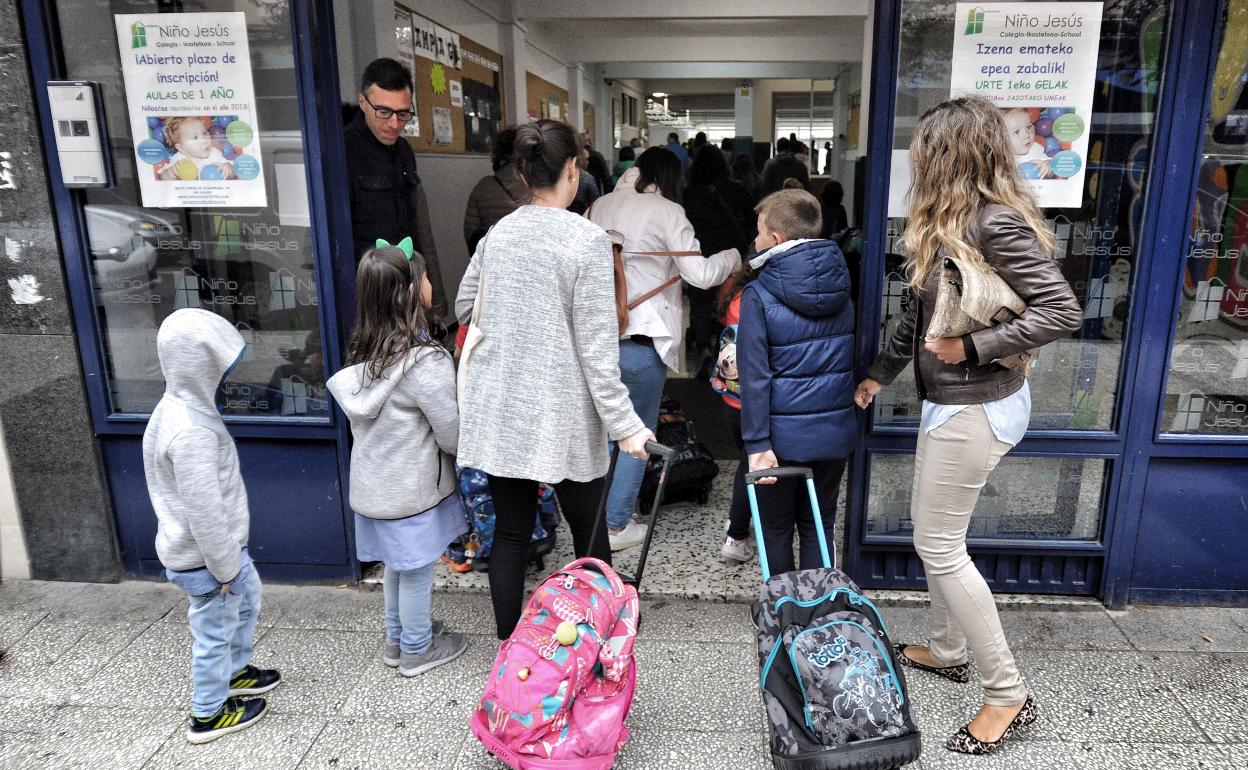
(834, 692)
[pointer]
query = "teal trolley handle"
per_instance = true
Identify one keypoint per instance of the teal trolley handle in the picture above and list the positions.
(789, 471)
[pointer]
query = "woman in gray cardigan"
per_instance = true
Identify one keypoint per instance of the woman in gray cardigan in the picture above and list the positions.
(543, 390)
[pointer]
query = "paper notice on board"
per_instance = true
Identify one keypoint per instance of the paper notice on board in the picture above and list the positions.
(403, 37)
(433, 41)
(192, 108)
(1037, 62)
(457, 93)
(443, 127)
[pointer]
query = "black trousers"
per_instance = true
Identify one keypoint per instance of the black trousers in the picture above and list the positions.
(739, 527)
(785, 507)
(515, 509)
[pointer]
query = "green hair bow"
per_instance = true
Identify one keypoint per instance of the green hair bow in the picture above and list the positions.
(404, 245)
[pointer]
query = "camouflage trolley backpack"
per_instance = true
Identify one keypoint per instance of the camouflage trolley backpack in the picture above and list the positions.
(834, 692)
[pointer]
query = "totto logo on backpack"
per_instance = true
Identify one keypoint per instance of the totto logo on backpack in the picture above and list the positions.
(563, 682)
(835, 695)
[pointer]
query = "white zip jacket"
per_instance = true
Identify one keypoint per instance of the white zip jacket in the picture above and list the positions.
(650, 222)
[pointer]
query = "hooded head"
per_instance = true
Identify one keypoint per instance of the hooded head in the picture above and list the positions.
(809, 276)
(197, 350)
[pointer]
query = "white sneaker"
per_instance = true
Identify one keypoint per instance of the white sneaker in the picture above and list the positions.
(631, 535)
(739, 551)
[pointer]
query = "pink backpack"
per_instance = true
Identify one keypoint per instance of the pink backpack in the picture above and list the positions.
(550, 704)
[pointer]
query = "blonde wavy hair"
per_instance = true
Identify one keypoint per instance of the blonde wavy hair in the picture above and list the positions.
(960, 161)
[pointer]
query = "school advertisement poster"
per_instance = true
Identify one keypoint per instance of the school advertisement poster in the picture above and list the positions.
(192, 108)
(1037, 62)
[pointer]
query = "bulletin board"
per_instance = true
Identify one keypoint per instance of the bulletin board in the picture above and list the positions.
(459, 87)
(589, 119)
(546, 100)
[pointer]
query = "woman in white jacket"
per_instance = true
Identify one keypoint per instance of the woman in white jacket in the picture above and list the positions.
(648, 214)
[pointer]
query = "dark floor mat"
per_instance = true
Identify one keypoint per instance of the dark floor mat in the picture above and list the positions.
(705, 409)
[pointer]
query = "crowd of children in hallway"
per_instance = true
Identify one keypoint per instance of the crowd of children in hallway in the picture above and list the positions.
(564, 359)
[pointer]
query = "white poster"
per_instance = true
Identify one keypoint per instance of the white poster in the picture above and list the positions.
(403, 37)
(443, 127)
(433, 41)
(457, 93)
(1037, 62)
(192, 108)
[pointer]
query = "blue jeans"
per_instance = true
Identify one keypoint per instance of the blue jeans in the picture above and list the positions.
(409, 596)
(644, 374)
(223, 628)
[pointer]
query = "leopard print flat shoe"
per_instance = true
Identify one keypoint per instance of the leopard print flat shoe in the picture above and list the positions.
(960, 673)
(964, 743)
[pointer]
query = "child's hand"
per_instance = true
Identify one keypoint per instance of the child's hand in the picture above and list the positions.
(227, 170)
(225, 589)
(866, 392)
(761, 461)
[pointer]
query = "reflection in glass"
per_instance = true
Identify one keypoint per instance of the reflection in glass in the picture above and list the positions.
(1207, 389)
(1075, 381)
(1025, 497)
(253, 266)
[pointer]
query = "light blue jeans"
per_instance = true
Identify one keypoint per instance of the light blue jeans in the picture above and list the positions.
(644, 374)
(223, 628)
(409, 598)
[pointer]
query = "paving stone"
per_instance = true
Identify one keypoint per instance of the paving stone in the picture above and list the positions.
(682, 620)
(695, 751)
(1185, 629)
(319, 668)
(379, 744)
(132, 602)
(450, 691)
(14, 625)
(59, 655)
(276, 742)
(1214, 689)
(325, 608)
(1027, 754)
(465, 612)
(723, 676)
(90, 738)
(152, 672)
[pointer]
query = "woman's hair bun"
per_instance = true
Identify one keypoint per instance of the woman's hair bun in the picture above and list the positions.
(529, 142)
(542, 149)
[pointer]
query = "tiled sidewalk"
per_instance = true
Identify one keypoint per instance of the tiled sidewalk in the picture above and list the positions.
(97, 677)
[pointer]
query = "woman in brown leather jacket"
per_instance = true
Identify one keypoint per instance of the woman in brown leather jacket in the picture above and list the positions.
(969, 200)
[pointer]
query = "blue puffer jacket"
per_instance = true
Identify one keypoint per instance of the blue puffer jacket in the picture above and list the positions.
(795, 355)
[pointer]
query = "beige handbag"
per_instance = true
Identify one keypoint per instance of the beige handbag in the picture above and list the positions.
(969, 299)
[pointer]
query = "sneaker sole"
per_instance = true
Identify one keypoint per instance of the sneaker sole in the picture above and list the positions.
(625, 546)
(212, 735)
(390, 662)
(734, 559)
(254, 690)
(432, 664)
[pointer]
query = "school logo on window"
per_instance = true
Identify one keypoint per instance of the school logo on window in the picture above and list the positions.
(294, 395)
(1190, 413)
(282, 290)
(227, 231)
(896, 294)
(1103, 292)
(138, 35)
(186, 288)
(1208, 301)
(974, 22)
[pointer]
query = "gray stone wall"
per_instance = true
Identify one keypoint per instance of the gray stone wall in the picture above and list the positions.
(57, 472)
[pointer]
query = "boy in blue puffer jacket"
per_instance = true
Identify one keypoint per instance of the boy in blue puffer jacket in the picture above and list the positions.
(795, 356)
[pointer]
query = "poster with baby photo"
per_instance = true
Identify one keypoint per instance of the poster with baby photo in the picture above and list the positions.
(192, 109)
(1037, 63)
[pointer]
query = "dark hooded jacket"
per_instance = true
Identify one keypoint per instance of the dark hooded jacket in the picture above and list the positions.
(795, 355)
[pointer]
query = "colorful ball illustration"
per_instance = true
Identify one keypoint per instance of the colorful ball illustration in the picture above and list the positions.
(1034, 113)
(1044, 126)
(1066, 164)
(152, 151)
(1030, 171)
(239, 133)
(210, 172)
(246, 167)
(1065, 145)
(1052, 144)
(186, 171)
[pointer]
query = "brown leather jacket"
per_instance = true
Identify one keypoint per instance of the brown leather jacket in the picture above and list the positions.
(1010, 248)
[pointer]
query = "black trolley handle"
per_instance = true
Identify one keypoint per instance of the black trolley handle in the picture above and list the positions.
(790, 471)
(654, 448)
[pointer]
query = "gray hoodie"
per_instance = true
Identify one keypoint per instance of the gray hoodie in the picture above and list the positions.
(189, 458)
(406, 430)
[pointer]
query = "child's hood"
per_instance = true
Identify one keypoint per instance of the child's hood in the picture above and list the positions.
(809, 276)
(197, 349)
(364, 402)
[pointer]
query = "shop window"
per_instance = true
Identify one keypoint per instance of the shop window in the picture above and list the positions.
(1050, 498)
(248, 258)
(1207, 389)
(1075, 383)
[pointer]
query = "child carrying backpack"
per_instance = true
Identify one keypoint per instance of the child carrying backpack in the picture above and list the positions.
(399, 394)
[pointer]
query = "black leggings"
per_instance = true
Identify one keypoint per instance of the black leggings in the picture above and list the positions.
(515, 509)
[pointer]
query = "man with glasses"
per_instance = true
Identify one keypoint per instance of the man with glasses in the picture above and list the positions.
(387, 198)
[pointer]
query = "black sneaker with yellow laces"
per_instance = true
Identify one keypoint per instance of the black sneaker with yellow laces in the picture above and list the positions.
(234, 715)
(254, 681)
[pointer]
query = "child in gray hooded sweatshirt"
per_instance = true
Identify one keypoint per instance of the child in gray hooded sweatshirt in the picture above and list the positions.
(399, 394)
(197, 491)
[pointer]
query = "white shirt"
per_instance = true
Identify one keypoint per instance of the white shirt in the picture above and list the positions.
(1008, 416)
(650, 222)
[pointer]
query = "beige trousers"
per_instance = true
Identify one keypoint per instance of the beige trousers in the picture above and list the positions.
(951, 465)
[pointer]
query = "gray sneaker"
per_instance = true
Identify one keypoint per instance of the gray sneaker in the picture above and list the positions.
(390, 652)
(443, 649)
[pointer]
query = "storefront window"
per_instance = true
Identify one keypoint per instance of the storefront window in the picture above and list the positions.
(247, 257)
(1207, 389)
(1048, 498)
(1075, 381)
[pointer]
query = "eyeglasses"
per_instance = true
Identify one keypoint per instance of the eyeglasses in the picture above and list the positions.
(385, 113)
